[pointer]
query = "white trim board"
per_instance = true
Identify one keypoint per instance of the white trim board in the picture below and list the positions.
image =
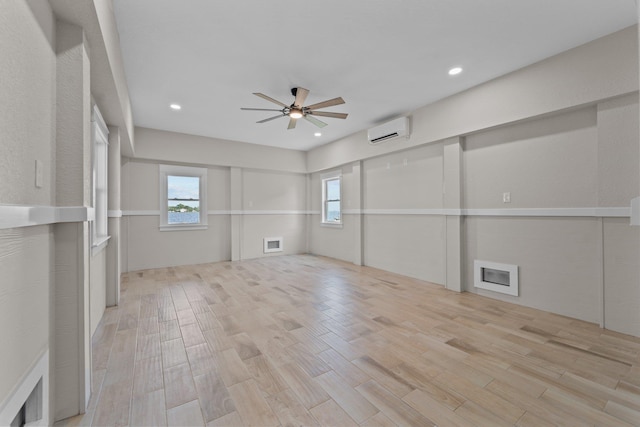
(531, 212)
(14, 216)
(542, 212)
(615, 212)
(222, 212)
(437, 211)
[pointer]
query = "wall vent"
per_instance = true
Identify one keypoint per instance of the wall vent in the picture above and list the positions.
(492, 276)
(29, 403)
(272, 244)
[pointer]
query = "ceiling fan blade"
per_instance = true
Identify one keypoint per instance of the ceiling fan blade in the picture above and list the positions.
(328, 114)
(292, 123)
(301, 95)
(314, 121)
(328, 103)
(268, 98)
(260, 109)
(271, 118)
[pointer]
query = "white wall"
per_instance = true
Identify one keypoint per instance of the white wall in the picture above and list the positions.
(52, 293)
(561, 137)
(27, 127)
(550, 162)
(405, 242)
(618, 154)
(336, 242)
(265, 203)
(147, 246)
(165, 146)
(559, 261)
(604, 68)
(97, 293)
(275, 206)
(544, 163)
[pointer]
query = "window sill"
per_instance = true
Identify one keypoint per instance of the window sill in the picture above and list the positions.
(183, 227)
(99, 245)
(331, 224)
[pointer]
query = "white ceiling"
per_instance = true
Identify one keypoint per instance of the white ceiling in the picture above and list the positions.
(384, 57)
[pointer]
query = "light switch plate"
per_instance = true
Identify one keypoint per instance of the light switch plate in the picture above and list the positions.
(506, 197)
(39, 174)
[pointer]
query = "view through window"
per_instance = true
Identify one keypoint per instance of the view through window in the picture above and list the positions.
(183, 204)
(331, 204)
(183, 197)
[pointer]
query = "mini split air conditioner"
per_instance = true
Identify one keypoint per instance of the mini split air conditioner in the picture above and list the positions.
(393, 129)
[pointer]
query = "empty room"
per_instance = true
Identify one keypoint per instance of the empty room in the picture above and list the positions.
(332, 213)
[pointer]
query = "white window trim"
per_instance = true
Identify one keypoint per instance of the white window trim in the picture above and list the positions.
(99, 172)
(165, 171)
(337, 174)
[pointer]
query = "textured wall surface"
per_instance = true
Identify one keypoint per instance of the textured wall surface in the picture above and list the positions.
(27, 125)
(25, 256)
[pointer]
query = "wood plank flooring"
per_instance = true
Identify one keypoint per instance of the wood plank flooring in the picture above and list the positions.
(306, 340)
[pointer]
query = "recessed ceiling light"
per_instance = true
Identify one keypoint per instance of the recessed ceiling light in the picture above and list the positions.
(175, 107)
(317, 134)
(454, 71)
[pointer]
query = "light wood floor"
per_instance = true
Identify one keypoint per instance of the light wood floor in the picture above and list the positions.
(304, 340)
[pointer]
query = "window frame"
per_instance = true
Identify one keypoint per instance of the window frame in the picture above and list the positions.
(325, 179)
(174, 170)
(99, 182)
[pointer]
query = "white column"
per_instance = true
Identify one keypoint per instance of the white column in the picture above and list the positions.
(452, 199)
(71, 326)
(115, 214)
(358, 221)
(236, 219)
(308, 216)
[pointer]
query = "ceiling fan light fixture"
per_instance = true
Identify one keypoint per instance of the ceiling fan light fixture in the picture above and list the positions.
(297, 110)
(295, 113)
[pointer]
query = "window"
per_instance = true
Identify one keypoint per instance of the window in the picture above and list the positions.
(331, 194)
(99, 232)
(183, 204)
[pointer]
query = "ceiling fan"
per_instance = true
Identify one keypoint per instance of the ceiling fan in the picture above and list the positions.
(296, 110)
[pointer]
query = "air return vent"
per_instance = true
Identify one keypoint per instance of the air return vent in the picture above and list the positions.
(272, 244)
(492, 276)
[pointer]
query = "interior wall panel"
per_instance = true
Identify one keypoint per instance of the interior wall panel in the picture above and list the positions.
(411, 245)
(335, 242)
(257, 227)
(621, 276)
(332, 242)
(549, 162)
(558, 261)
(151, 248)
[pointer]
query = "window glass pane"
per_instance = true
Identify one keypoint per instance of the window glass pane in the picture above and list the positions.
(183, 187)
(333, 189)
(333, 212)
(183, 194)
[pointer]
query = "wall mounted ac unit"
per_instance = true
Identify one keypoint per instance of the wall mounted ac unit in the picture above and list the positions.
(393, 129)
